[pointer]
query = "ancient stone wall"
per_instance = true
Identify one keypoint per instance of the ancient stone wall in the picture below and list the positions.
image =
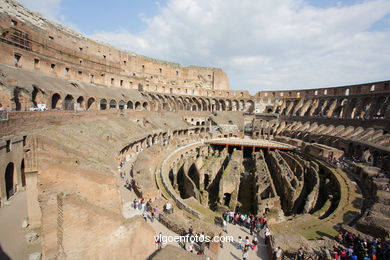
(30, 41)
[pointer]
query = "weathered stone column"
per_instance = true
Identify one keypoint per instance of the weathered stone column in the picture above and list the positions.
(33, 210)
(175, 178)
(31, 171)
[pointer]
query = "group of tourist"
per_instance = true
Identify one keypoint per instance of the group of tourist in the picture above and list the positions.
(253, 223)
(145, 208)
(353, 247)
(357, 248)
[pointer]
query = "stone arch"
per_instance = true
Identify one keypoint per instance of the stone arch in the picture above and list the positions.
(250, 106)
(222, 105)
(90, 102)
(154, 103)
(379, 109)
(197, 104)
(241, 105)
(180, 105)
(130, 105)
(228, 103)
(137, 105)
(121, 105)
(103, 104)
(187, 103)
(69, 102)
(113, 104)
(214, 105)
(9, 177)
(318, 111)
(235, 105)
(339, 111)
(80, 102)
(366, 108)
(37, 96)
(203, 103)
(145, 105)
(55, 100)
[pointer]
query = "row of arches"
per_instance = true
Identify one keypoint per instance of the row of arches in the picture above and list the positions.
(362, 142)
(70, 103)
(155, 103)
(365, 107)
(173, 103)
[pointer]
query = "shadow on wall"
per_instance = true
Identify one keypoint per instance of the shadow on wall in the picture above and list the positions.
(3, 255)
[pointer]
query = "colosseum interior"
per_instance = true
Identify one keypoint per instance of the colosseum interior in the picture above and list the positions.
(315, 162)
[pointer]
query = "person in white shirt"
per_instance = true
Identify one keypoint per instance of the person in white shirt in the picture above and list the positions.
(267, 234)
(239, 243)
(168, 208)
(224, 226)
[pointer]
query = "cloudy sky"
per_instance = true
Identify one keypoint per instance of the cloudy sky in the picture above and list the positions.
(261, 44)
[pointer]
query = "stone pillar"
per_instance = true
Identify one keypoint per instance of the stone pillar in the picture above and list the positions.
(175, 178)
(33, 209)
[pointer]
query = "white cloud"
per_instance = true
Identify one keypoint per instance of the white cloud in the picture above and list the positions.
(48, 8)
(268, 44)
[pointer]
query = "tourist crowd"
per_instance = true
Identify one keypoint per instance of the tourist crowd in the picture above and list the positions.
(255, 225)
(353, 247)
(357, 248)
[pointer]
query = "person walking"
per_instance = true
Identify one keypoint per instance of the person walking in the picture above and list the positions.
(267, 234)
(225, 226)
(245, 254)
(300, 254)
(145, 214)
(159, 241)
(278, 253)
(254, 243)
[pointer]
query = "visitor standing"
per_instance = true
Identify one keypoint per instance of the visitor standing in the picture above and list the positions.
(225, 226)
(245, 254)
(278, 253)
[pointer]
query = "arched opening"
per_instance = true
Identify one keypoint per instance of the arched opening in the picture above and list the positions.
(241, 105)
(34, 95)
(68, 102)
(103, 104)
(122, 104)
(112, 104)
(90, 102)
(145, 106)
(9, 180)
(23, 174)
(54, 101)
(250, 106)
(80, 102)
(130, 105)
(222, 105)
(137, 105)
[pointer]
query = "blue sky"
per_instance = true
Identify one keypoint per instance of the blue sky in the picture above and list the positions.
(262, 45)
(121, 14)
